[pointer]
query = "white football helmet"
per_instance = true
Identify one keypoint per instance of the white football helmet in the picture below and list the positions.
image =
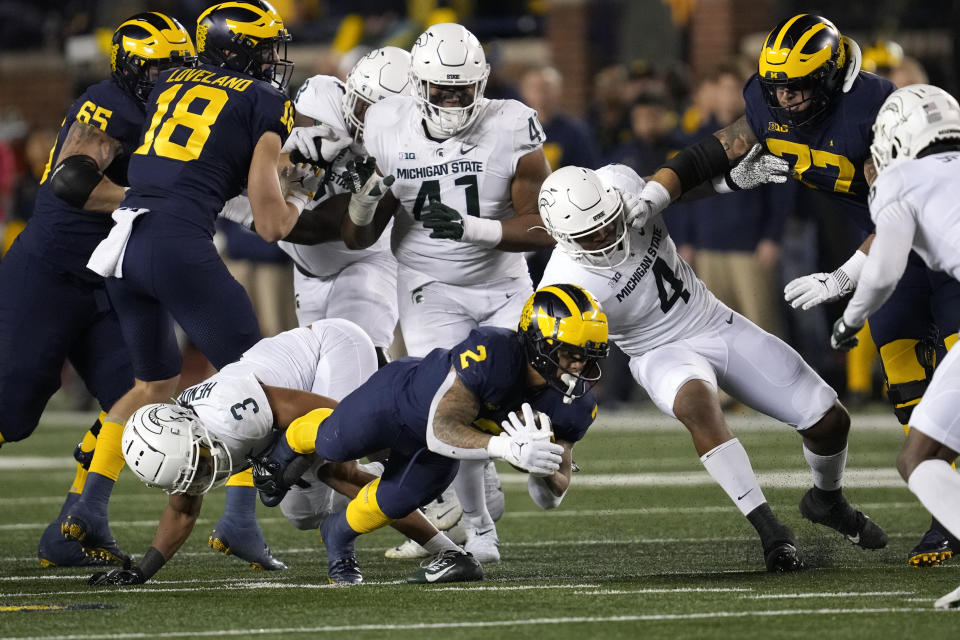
(379, 74)
(448, 55)
(575, 204)
(910, 120)
(166, 446)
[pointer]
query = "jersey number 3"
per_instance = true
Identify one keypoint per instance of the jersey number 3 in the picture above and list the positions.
(198, 124)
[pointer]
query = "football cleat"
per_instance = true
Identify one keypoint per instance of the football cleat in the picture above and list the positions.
(483, 543)
(405, 550)
(96, 538)
(345, 571)
(448, 566)
(445, 511)
(780, 554)
(949, 601)
(841, 516)
(246, 543)
(933, 549)
(56, 551)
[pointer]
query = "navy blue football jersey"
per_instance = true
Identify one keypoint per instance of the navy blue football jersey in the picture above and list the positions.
(491, 363)
(66, 235)
(202, 125)
(830, 154)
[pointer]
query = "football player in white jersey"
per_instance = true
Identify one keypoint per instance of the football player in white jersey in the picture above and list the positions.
(217, 426)
(915, 205)
(459, 175)
(330, 280)
(684, 344)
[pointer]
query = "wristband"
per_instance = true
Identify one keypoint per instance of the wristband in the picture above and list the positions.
(150, 563)
(499, 447)
(657, 195)
(848, 274)
(361, 213)
(298, 200)
(483, 232)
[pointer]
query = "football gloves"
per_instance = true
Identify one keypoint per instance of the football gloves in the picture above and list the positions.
(808, 291)
(443, 221)
(844, 337)
(237, 209)
(318, 145)
(300, 183)
(530, 446)
(367, 187)
(117, 577)
(639, 208)
(754, 169)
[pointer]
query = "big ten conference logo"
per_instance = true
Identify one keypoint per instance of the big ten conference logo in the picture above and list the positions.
(779, 128)
(408, 155)
(202, 37)
(113, 57)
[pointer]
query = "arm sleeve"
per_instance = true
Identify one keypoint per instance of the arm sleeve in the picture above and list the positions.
(885, 263)
(540, 493)
(437, 445)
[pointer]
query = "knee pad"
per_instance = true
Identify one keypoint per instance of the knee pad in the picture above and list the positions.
(363, 512)
(908, 367)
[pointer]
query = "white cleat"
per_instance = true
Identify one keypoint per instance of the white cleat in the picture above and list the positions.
(445, 511)
(949, 601)
(408, 549)
(483, 543)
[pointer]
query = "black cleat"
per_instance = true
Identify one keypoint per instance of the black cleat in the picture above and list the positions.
(56, 551)
(96, 538)
(840, 515)
(345, 571)
(448, 566)
(932, 550)
(246, 543)
(780, 553)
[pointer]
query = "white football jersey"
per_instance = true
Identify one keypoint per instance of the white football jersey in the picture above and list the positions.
(319, 98)
(928, 191)
(654, 297)
(470, 172)
(234, 409)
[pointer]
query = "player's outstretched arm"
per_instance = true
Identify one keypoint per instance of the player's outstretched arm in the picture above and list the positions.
(525, 232)
(321, 224)
(289, 404)
(77, 175)
(273, 216)
(547, 491)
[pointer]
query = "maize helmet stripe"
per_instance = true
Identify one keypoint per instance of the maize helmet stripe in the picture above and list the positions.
(262, 22)
(784, 30)
(153, 36)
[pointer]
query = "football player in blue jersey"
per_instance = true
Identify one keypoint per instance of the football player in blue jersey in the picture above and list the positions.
(809, 113)
(210, 131)
(450, 405)
(54, 309)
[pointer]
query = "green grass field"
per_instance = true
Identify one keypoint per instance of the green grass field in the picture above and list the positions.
(644, 546)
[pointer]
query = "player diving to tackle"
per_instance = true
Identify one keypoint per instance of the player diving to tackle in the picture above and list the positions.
(684, 345)
(434, 411)
(217, 426)
(915, 204)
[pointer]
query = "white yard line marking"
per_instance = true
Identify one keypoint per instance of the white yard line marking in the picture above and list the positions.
(519, 587)
(828, 594)
(468, 624)
(618, 592)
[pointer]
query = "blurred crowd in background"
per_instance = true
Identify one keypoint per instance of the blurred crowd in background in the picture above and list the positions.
(637, 111)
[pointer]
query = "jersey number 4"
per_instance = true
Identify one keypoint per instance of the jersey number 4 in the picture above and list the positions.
(664, 276)
(198, 124)
(430, 191)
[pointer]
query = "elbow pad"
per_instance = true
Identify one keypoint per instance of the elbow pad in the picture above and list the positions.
(699, 163)
(74, 179)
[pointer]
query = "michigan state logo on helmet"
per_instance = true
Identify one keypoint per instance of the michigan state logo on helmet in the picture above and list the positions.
(143, 46)
(565, 332)
(910, 120)
(246, 36)
(804, 54)
(380, 74)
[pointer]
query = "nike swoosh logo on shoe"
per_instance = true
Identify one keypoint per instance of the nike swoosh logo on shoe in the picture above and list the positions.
(483, 533)
(854, 539)
(433, 577)
(440, 516)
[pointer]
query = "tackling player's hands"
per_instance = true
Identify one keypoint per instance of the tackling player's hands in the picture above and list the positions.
(810, 290)
(300, 183)
(844, 337)
(367, 187)
(237, 209)
(314, 145)
(530, 442)
(639, 208)
(757, 168)
(117, 577)
(444, 222)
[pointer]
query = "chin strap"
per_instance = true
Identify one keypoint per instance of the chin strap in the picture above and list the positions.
(571, 381)
(853, 67)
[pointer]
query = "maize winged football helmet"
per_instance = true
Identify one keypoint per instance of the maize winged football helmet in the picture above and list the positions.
(143, 46)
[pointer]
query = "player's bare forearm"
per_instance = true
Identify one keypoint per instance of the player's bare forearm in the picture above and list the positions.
(290, 404)
(456, 411)
(869, 171)
(321, 224)
(559, 482)
(176, 523)
(866, 244)
(87, 140)
(525, 233)
(361, 237)
(737, 138)
(273, 217)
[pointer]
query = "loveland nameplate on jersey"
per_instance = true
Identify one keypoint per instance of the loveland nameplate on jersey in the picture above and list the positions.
(204, 76)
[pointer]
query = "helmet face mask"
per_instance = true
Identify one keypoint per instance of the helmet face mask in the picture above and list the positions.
(565, 334)
(585, 217)
(801, 69)
(379, 74)
(246, 36)
(449, 72)
(168, 447)
(910, 120)
(143, 46)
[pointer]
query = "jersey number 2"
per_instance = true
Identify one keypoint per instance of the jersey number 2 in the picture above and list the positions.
(198, 124)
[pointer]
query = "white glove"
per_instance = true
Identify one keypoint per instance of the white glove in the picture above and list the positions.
(238, 210)
(754, 169)
(368, 188)
(526, 444)
(639, 208)
(314, 144)
(300, 183)
(808, 291)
